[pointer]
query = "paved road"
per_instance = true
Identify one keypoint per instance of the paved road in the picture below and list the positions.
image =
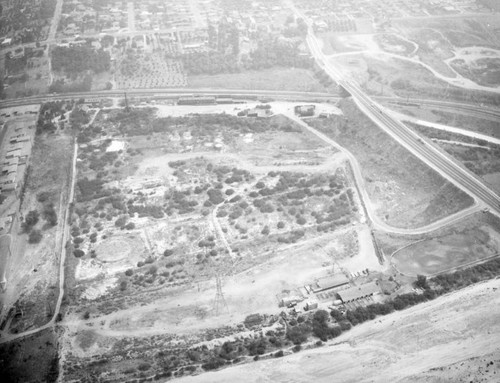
(370, 210)
(481, 111)
(436, 159)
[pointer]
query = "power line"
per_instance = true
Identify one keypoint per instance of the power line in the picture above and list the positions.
(219, 302)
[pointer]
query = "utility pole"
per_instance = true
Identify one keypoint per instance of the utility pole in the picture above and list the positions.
(219, 302)
(127, 108)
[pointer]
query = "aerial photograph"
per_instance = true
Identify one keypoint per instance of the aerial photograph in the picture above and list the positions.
(250, 191)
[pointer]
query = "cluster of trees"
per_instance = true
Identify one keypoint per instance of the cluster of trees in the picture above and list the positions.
(177, 200)
(48, 112)
(269, 53)
(212, 62)
(60, 85)
(91, 189)
(78, 59)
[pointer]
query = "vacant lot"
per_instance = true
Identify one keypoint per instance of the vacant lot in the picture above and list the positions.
(267, 79)
(406, 192)
(440, 254)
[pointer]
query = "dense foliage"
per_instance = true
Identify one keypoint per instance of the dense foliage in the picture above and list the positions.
(80, 59)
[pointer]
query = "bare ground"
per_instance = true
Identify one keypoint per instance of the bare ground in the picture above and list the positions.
(448, 339)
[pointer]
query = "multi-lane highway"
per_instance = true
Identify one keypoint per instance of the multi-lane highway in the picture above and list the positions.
(431, 155)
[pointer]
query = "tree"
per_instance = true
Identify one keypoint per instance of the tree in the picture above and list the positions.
(49, 214)
(35, 236)
(421, 282)
(31, 220)
(78, 253)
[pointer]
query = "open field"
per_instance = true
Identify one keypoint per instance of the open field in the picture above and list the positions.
(440, 254)
(33, 268)
(442, 340)
(32, 359)
(472, 239)
(403, 189)
(455, 118)
(268, 79)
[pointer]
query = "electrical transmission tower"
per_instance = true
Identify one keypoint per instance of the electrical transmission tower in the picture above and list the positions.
(220, 302)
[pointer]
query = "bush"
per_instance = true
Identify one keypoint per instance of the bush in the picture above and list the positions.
(144, 367)
(278, 354)
(253, 320)
(168, 252)
(35, 236)
(298, 334)
(50, 215)
(123, 285)
(31, 220)
(129, 272)
(78, 253)
(130, 226)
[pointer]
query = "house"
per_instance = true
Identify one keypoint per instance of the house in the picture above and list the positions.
(358, 292)
(8, 169)
(8, 183)
(330, 282)
(305, 110)
(258, 113)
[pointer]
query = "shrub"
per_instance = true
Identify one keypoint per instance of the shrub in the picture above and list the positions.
(78, 253)
(129, 272)
(35, 236)
(31, 220)
(168, 252)
(144, 367)
(253, 320)
(130, 226)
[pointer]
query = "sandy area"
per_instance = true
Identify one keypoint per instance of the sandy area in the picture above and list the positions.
(431, 342)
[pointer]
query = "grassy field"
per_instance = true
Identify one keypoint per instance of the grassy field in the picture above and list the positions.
(439, 254)
(405, 190)
(32, 359)
(269, 79)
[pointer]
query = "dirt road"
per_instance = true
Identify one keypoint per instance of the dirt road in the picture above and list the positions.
(359, 179)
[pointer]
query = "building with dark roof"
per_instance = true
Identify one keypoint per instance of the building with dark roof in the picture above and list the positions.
(358, 292)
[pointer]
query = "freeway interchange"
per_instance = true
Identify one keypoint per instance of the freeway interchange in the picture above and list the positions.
(427, 152)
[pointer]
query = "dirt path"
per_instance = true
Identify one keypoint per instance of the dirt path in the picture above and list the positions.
(377, 222)
(55, 22)
(64, 236)
(332, 162)
(458, 81)
(430, 342)
(405, 118)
